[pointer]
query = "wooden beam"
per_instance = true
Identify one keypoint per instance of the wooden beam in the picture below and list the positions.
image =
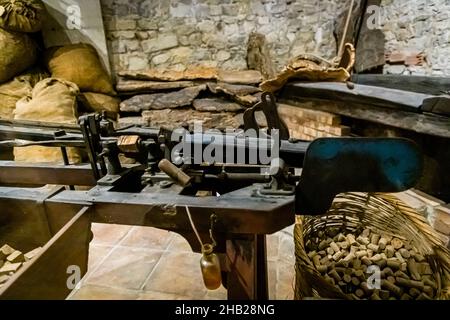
(370, 44)
(421, 123)
(376, 96)
(46, 276)
(42, 174)
(356, 18)
(418, 84)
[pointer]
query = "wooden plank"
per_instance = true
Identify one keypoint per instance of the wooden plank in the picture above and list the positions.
(370, 95)
(167, 210)
(437, 105)
(42, 174)
(246, 270)
(46, 276)
(421, 123)
(376, 96)
(370, 43)
(354, 23)
(418, 84)
(22, 215)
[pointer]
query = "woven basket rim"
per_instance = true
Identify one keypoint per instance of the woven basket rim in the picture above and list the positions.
(394, 218)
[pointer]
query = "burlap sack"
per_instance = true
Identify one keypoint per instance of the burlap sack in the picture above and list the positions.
(52, 100)
(313, 69)
(10, 93)
(34, 75)
(14, 90)
(18, 52)
(80, 64)
(22, 15)
(97, 102)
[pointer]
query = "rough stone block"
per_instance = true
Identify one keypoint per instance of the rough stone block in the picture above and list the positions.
(162, 42)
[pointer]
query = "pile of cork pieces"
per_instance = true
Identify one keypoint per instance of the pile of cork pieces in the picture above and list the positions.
(346, 261)
(12, 260)
(215, 98)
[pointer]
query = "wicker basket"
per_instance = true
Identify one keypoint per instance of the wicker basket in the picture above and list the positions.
(381, 213)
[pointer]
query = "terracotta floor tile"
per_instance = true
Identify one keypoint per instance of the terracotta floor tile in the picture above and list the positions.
(272, 275)
(178, 273)
(179, 244)
(108, 234)
(154, 295)
(286, 250)
(149, 238)
(220, 294)
(97, 254)
(134, 271)
(126, 268)
(273, 243)
(285, 281)
(89, 292)
(289, 231)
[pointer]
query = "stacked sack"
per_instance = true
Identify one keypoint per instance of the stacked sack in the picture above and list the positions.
(80, 64)
(78, 82)
(18, 20)
(52, 100)
(18, 88)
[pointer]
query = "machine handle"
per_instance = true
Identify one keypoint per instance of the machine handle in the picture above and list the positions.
(175, 173)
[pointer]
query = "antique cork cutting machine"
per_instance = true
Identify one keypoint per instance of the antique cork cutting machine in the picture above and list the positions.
(234, 203)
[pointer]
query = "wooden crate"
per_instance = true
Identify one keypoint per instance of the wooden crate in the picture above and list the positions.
(64, 236)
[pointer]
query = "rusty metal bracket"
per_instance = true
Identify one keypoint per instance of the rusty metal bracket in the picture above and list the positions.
(269, 107)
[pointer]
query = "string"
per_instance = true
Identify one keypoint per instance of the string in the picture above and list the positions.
(347, 24)
(193, 226)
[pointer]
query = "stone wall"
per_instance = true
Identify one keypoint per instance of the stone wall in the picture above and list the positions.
(418, 26)
(176, 33)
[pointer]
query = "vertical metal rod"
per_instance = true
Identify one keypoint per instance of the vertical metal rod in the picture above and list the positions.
(65, 157)
(90, 149)
(94, 134)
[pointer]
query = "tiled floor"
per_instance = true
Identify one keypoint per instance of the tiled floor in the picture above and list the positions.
(137, 263)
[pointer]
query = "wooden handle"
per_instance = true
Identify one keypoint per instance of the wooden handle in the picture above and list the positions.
(175, 173)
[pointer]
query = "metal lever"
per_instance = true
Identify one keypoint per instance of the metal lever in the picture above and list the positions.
(269, 107)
